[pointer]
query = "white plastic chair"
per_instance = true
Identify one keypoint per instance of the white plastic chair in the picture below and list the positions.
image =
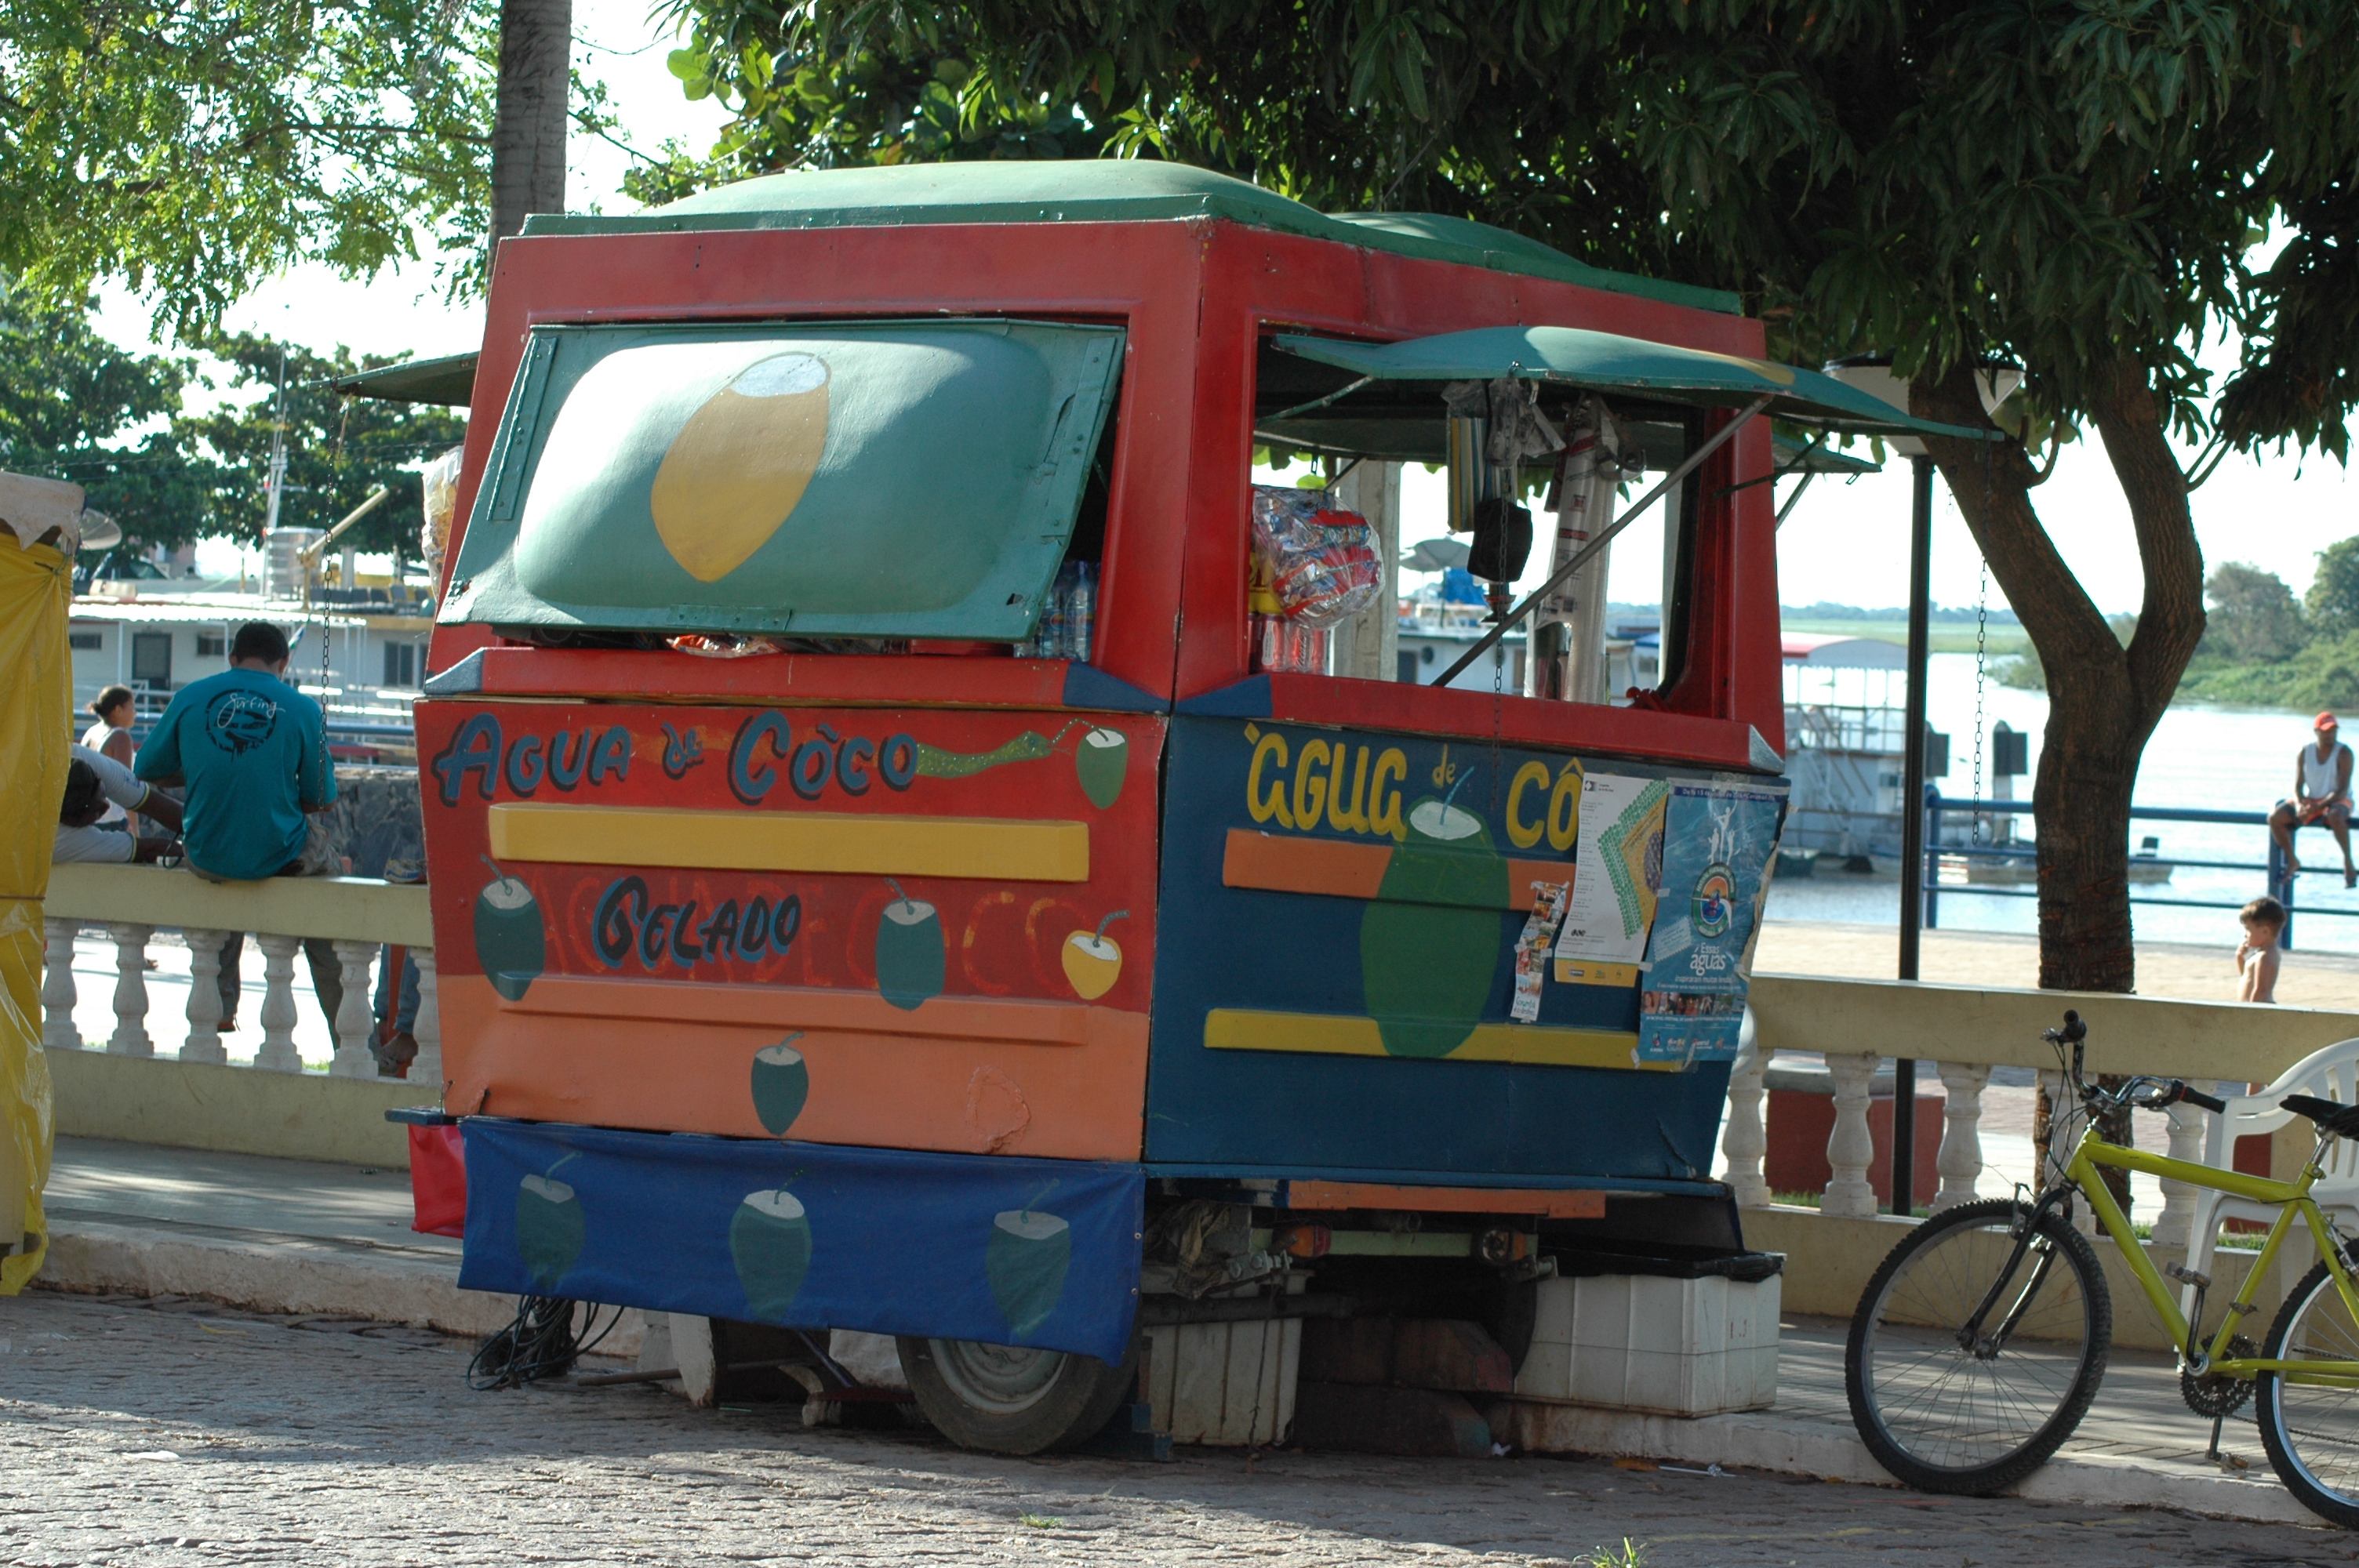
(2330, 1073)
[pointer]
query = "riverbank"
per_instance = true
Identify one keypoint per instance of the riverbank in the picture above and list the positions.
(2187, 971)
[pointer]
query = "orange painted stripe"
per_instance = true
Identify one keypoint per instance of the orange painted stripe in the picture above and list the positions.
(1446, 1200)
(1341, 868)
(818, 1007)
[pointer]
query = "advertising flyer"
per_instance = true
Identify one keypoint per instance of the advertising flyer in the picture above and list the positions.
(1718, 839)
(1617, 866)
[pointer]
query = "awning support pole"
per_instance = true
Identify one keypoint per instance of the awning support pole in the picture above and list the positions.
(1694, 460)
(1913, 848)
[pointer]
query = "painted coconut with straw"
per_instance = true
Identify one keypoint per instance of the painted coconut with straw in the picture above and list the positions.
(1429, 941)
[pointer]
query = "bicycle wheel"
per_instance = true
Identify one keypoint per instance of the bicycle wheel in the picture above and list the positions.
(2311, 1429)
(1947, 1409)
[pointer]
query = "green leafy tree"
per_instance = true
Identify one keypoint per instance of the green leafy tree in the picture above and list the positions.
(2254, 617)
(337, 450)
(74, 407)
(191, 150)
(2333, 597)
(2072, 186)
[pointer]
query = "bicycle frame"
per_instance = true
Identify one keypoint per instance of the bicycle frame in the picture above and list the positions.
(2292, 1199)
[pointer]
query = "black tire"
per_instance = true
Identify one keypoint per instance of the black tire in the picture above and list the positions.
(2311, 1432)
(1940, 1416)
(1004, 1399)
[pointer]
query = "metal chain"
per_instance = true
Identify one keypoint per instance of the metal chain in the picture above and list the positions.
(1982, 650)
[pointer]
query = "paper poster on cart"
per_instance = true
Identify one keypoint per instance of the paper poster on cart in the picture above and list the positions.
(1618, 864)
(1688, 1028)
(1717, 844)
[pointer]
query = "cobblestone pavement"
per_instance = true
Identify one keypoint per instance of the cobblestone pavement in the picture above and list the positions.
(182, 1432)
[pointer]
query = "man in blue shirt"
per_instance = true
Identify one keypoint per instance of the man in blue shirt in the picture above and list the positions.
(252, 753)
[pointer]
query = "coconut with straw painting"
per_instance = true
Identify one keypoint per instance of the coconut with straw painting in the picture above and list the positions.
(781, 1084)
(1093, 961)
(911, 957)
(550, 1228)
(509, 941)
(1429, 940)
(770, 1243)
(1025, 1260)
(1100, 762)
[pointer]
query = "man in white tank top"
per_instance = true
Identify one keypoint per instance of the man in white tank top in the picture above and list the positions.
(2322, 792)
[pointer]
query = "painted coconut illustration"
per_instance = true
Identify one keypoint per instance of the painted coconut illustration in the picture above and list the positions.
(781, 1084)
(509, 941)
(910, 956)
(1025, 1261)
(1094, 960)
(1100, 761)
(770, 1242)
(740, 465)
(1429, 941)
(549, 1230)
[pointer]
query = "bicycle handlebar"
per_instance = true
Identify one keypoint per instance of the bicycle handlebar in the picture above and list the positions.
(2212, 1103)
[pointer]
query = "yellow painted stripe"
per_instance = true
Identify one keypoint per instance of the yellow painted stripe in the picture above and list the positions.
(1330, 1034)
(877, 844)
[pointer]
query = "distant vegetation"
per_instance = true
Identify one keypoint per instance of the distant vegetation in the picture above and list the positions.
(2261, 647)
(1822, 611)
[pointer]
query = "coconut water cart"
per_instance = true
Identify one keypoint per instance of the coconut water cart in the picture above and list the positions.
(877, 886)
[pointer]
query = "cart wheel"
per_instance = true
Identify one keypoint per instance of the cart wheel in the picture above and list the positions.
(1006, 1399)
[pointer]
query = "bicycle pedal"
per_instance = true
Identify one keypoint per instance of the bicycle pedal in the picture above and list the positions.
(2186, 1275)
(2231, 1464)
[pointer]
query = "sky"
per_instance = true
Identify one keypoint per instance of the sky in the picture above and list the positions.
(1846, 544)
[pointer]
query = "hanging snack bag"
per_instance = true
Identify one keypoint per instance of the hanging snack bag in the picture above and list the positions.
(1320, 562)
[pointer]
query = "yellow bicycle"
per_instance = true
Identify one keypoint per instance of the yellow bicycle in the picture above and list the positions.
(1982, 1338)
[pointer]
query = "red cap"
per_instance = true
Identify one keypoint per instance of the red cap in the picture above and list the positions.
(2324, 721)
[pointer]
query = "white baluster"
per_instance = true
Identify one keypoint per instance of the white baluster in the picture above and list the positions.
(426, 1068)
(354, 1017)
(1960, 1158)
(1851, 1147)
(277, 1053)
(204, 1012)
(2177, 1221)
(1746, 1142)
(58, 1032)
(130, 1038)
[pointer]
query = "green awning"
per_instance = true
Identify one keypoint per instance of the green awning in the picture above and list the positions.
(1798, 456)
(1610, 363)
(450, 381)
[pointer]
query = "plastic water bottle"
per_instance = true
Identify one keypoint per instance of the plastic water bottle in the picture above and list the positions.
(1081, 596)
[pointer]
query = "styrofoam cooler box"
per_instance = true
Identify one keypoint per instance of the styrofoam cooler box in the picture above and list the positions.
(1678, 1346)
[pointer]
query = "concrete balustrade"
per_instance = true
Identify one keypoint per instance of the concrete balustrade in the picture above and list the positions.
(1962, 1032)
(131, 904)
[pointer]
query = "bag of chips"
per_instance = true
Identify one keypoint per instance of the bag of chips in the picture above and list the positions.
(1319, 561)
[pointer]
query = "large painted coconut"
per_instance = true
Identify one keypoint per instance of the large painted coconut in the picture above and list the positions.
(510, 942)
(911, 961)
(550, 1228)
(1429, 941)
(781, 1086)
(770, 1242)
(740, 465)
(1026, 1259)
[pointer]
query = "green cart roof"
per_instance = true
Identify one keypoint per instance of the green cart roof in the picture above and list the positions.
(1101, 191)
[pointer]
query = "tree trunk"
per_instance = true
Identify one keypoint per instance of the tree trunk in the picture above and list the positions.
(536, 84)
(2104, 700)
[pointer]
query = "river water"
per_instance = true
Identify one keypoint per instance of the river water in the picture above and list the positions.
(2200, 757)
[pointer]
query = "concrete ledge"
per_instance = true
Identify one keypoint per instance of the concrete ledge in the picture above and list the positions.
(1988, 1024)
(1790, 1446)
(237, 1110)
(270, 1276)
(1829, 1261)
(355, 909)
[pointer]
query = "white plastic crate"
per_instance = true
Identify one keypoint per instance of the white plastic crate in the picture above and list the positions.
(1640, 1342)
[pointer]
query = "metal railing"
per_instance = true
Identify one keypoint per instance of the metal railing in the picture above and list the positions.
(2281, 883)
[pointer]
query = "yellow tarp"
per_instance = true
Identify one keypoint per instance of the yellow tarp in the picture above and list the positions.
(36, 699)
